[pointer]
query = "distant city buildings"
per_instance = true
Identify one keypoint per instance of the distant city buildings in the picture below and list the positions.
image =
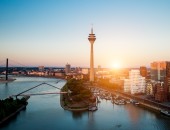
(41, 68)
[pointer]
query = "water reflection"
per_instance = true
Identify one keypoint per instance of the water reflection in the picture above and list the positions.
(134, 115)
(6, 88)
(91, 120)
(78, 114)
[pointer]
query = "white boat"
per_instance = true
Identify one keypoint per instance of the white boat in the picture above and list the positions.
(127, 101)
(93, 108)
(134, 102)
(165, 112)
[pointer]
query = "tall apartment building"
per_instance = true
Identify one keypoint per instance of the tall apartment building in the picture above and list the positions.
(158, 70)
(135, 84)
(67, 68)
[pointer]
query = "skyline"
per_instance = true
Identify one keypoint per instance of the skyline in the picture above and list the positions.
(54, 32)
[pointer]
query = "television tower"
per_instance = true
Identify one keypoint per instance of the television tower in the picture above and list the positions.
(91, 39)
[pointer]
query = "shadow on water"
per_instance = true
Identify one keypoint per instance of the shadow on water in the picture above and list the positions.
(78, 114)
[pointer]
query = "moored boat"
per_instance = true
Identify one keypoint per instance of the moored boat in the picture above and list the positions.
(165, 112)
(93, 108)
(134, 102)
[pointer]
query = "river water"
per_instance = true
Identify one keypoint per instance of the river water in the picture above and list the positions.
(44, 112)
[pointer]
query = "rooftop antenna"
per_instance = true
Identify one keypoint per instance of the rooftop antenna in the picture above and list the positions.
(91, 28)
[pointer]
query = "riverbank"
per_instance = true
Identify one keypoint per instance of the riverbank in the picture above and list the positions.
(65, 107)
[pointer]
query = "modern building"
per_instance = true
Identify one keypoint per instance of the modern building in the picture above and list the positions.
(67, 68)
(135, 84)
(91, 39)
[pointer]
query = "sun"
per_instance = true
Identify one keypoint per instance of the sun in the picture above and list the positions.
(116, 65)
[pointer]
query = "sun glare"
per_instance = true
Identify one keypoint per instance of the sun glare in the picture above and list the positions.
(116, 65)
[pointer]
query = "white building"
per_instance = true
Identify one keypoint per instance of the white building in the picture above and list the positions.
(135, 83)
(127, 85)
(85, 71)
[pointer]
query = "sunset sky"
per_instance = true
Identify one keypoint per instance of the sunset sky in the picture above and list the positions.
(130, 33)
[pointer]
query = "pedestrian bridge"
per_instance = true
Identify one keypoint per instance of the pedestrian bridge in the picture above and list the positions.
(34, 94)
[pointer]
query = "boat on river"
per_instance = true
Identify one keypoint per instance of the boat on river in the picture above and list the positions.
(119, 102)
(165, 112)
(92, 108)
(134, 102)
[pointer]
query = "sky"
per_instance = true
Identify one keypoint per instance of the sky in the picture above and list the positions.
(129, 33)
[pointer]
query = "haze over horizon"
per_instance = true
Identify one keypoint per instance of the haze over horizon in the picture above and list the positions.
(130, 33)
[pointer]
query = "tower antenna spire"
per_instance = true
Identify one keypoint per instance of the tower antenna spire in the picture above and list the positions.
(91, 28)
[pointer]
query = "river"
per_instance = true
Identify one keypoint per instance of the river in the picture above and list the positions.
(44, 112)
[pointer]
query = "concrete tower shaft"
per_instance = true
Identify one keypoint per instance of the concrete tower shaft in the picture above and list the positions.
(91, 39)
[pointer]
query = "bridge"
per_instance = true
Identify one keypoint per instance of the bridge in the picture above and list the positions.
(34, 94)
